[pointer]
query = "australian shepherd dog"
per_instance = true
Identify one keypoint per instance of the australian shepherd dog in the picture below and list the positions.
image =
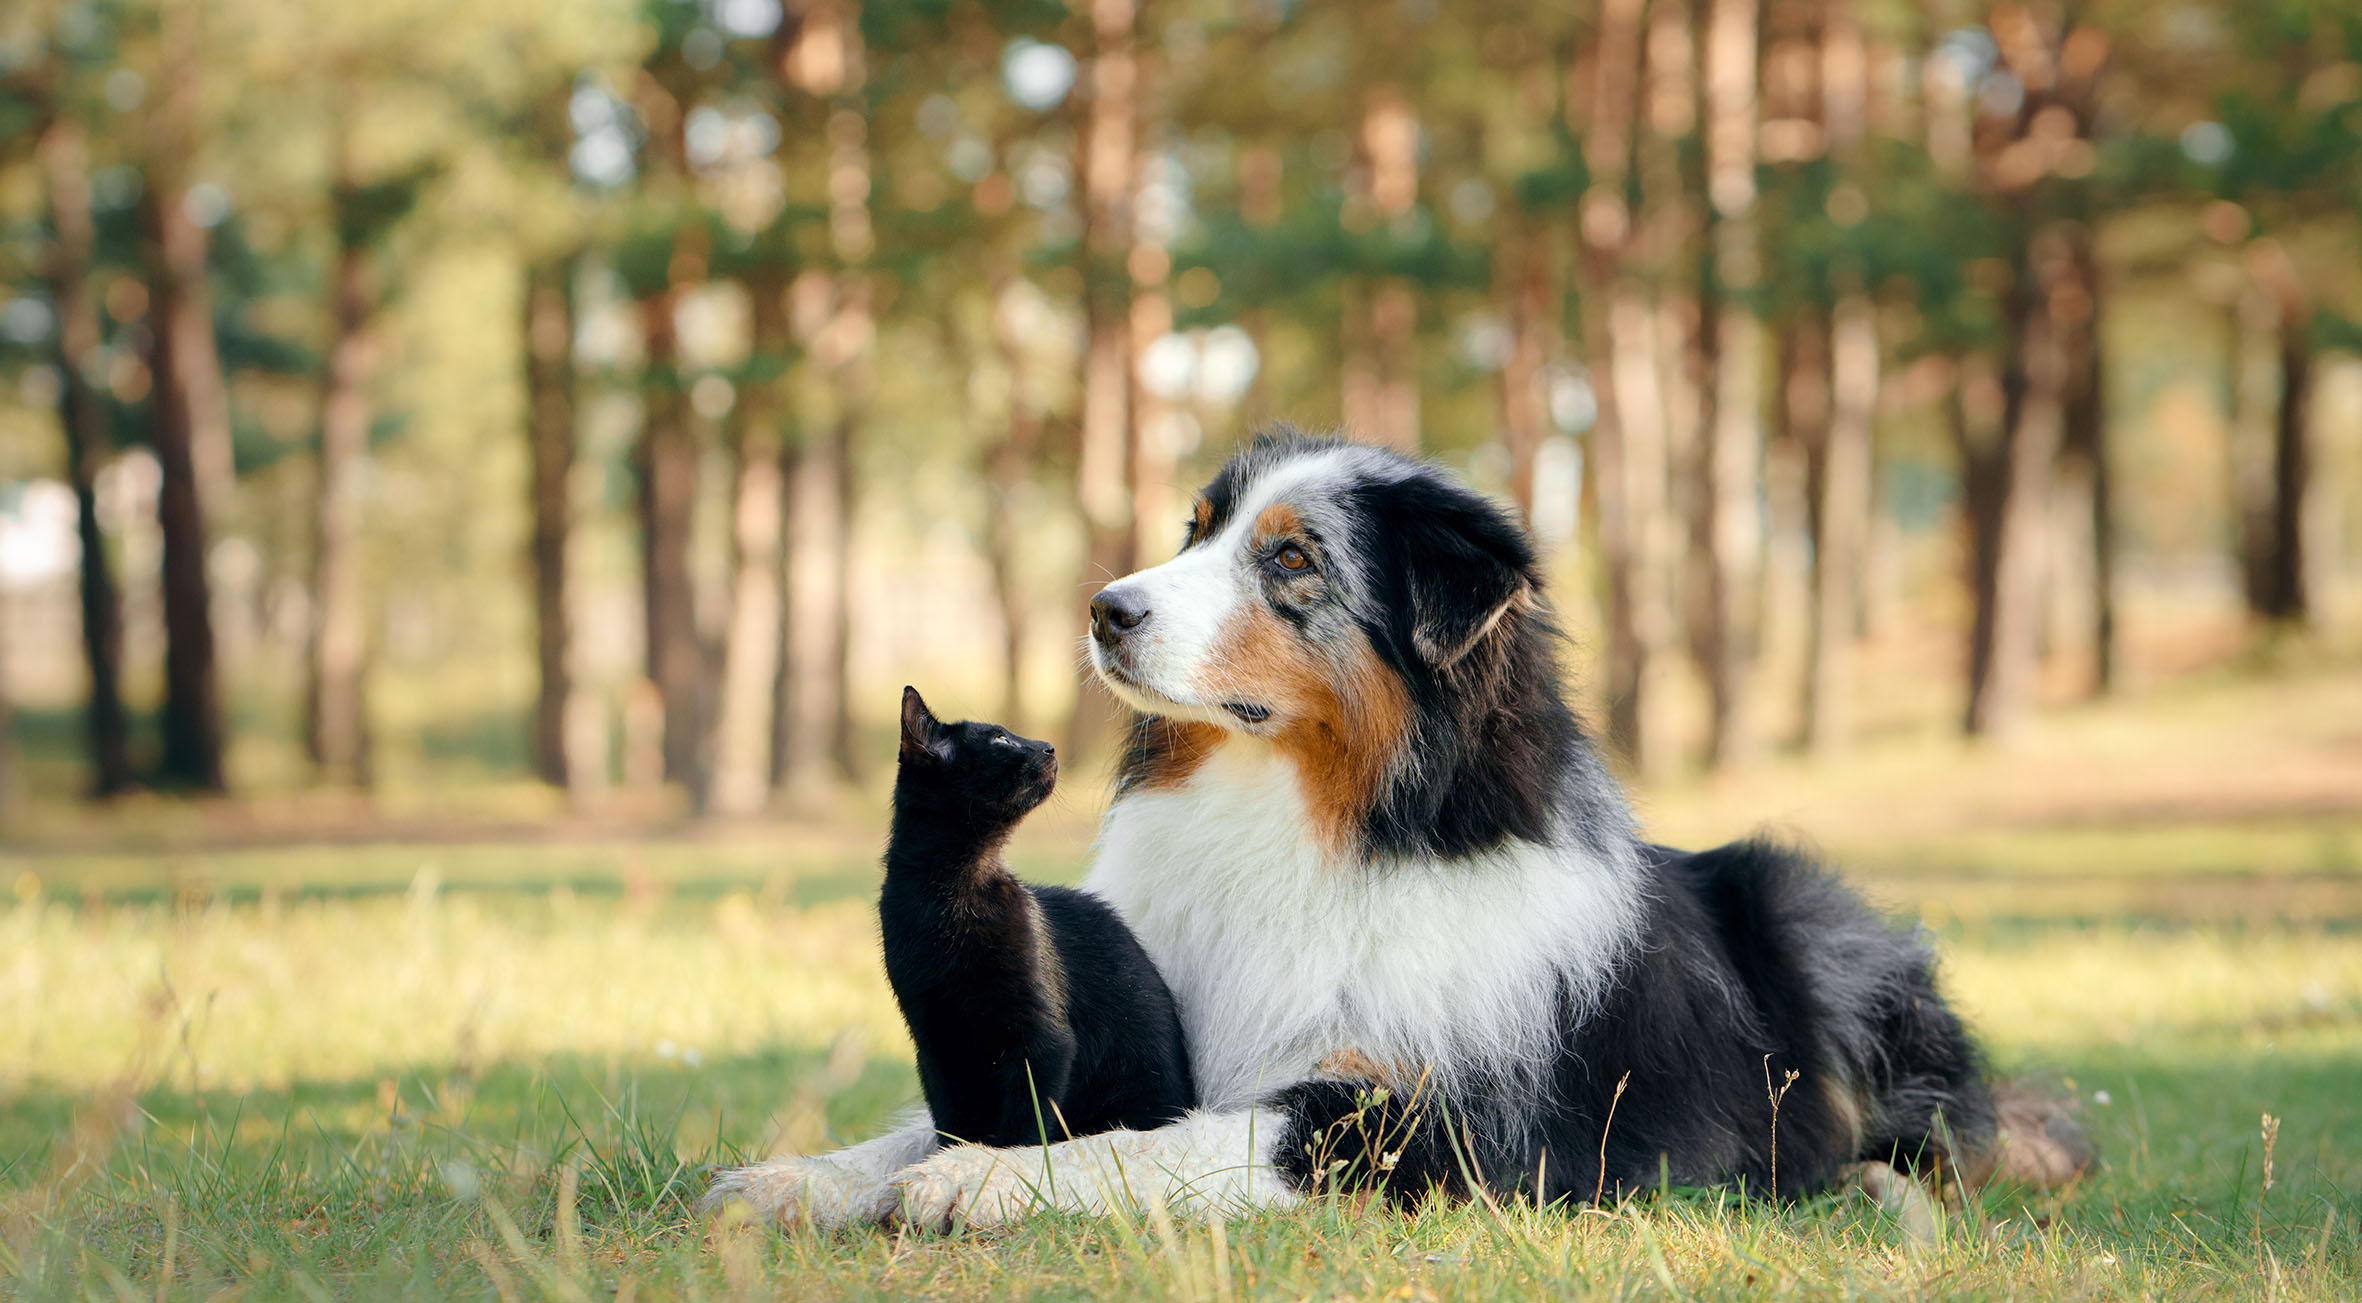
(1417, 943)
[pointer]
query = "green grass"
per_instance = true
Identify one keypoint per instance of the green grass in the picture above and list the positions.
(486, 1091)
(310, 1055)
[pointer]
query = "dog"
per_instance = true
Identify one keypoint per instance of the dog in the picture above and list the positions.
(1418, 943)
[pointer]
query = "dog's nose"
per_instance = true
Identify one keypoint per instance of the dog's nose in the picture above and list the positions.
(1115, 613)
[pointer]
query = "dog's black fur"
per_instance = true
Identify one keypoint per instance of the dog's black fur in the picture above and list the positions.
(1036, 1014)
(1684, 1076)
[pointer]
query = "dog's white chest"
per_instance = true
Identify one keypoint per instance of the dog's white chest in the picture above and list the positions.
(1279, 956)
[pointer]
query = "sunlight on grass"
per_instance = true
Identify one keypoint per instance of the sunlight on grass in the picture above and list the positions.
(241, 996)
(503, 1093)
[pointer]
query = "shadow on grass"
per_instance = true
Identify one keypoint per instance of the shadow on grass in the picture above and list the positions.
(332, 1176)
(358, 1176)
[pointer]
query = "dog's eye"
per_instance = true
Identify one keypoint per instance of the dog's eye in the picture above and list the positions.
(1291, 559)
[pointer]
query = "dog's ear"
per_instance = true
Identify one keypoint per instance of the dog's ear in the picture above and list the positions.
(1471, 570)
(922, 733)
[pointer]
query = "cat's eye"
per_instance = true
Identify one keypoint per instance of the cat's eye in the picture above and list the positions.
(1004, 740)
(1291, 559)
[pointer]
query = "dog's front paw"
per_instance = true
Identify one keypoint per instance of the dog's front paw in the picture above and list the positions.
(968, 1184)
(815, 1190)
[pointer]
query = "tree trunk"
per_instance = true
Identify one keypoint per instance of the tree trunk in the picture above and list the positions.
(187, 392)
(2004, 656)
(1650, 322)
(1360, 381)
(172, 146)
(82, 416)
(1841, 519)
(743, 728)
(2276, 396)
(785, 711)
(2287, 597)
(1734, 458)
(1843, 484)
(1525, 292)
(844, 752)
(10, 797)
(1005, 473)
(1110, 173)
(667, 466)
(549, 428)
(1800, 407)
(1394, 330)
(338, 728)
(1151, 473)
(816, 538)
(2087, 442)
(853, 332)
(1612, 312)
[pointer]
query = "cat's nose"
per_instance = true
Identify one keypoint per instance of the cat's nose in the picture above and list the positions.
(1116, 612)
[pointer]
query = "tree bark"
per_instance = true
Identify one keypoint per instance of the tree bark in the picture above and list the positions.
(1650, 320)
(1360, 381)
(1841, 517)
(1394, 328)
(549, 430)
(1109, 432)
(338, 733)
(82, 416)
(1525, 291)
(743, 729)
(815, 545)
(1608, 310)
(2087, 441)
(844, 752)
(187, 397)
(853, 334)
(10, 797)
(1151, 472)
(666, 461)
(172, 145)
(786, 722)
(2277, 388)
(1734, 458)
(2005, 652)
(1006, 464)
(1843, 483)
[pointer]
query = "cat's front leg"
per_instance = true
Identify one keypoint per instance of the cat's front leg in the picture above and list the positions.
(847, 1187)
(1204, 1164)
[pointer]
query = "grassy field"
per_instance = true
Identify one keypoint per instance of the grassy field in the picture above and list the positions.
(454, 1062)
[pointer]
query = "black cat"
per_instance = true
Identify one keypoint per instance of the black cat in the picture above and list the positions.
(1036, 1013)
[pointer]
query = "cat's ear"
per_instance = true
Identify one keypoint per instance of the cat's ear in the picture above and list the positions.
(921, 731)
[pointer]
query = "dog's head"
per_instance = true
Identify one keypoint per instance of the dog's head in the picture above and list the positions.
(1360, 611)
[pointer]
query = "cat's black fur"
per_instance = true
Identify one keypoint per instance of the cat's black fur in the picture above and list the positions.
(1034, 1009)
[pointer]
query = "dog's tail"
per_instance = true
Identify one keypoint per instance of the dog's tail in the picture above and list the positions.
(2037, 1142)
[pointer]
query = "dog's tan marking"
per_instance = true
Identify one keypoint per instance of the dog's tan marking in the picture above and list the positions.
(1342, 725)
(1279, 520)
(1845, 1108)
(1201, 513)
(1353, 1065)
(1165, 752)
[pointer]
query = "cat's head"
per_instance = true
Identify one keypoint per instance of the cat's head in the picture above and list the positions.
(981, 770)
